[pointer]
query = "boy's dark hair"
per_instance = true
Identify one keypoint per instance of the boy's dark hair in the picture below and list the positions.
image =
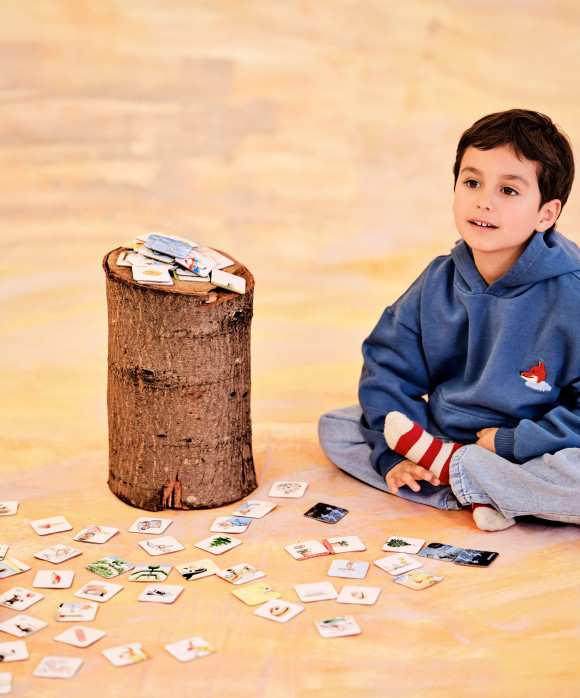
(532, 136)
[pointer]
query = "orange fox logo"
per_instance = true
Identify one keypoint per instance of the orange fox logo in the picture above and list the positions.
(536, 377)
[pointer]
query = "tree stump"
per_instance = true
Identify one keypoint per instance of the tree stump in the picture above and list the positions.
(179, 390)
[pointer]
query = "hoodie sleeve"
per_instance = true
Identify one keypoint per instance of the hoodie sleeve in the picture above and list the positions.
(394, 375)
(556, 430)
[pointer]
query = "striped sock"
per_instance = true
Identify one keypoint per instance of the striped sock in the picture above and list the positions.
(410, 440)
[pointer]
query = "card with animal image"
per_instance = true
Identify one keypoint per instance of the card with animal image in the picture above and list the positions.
(54, 524)
(197, 569)
(255, 509)
(339, 626)
(350, 569)
(279, 610)
(19, 599)
(230, 282)
(53, 579)
(224, 524)
(161, 546)
(97, 590)
(58, 667)
(75, 611)
(160, 593)
(80, 636)
(475, 558)
(152, 275)
(343, 544)
(191, 648)
(316, 591)
(109, 567)
(22, 625)
(5, 683)
(306, 550)
(327, 513)
(168, 245)
(95, 534)
(217, 544)
(440, 551)
(11, 566)
(240, 574)
(398, 563)
(364, 596)
(288, 488)
(15, 651)
(148, 524)
(418, 579)
(8, 508)
(402, 544)
(256, 593)
(58, 553)
(150, 573)
(125, 655)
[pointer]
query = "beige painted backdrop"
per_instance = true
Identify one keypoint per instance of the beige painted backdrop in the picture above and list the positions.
(313, 140)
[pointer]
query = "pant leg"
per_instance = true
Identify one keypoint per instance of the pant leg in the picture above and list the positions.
(343, 443)
(547, 487)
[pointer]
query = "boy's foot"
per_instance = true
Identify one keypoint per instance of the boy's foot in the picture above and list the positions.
(489, 519)
(410, 440)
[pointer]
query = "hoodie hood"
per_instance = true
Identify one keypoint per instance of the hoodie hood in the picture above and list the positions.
(547, 255)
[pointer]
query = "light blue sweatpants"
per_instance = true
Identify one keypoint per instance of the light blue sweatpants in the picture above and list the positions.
(547, 487)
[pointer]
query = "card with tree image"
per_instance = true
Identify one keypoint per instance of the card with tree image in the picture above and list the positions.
(218, 544)
(344, 544)
(402, 544)
(109, 567)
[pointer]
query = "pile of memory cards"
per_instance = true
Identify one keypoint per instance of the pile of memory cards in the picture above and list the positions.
(160, 259)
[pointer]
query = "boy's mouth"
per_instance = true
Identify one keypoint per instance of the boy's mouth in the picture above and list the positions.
(482, 224)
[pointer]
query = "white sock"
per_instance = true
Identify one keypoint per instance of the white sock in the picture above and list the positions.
(489, 519)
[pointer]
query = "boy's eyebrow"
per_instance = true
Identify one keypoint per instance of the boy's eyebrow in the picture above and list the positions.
(510, 177)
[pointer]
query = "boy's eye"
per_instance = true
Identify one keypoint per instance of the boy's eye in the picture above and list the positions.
(509, 191)
(472, 183)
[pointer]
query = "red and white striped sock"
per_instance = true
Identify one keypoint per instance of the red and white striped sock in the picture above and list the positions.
(410, 440)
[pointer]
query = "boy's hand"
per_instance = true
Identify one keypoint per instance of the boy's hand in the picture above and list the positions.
(486, 438)
(407, 473)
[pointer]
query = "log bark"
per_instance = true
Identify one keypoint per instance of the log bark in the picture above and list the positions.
(179, 390)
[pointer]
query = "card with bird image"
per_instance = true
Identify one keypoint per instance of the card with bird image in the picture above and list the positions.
(402, 544)
(344, 544)
(279, 610)
(240, 574)
(256, 593)
(53, 579)
(229, 524)
(418, 579)
(95, 534)
(339, 626)
(150, 573)
(58, 553)
(54, 524)
(306, 549)
(58, 667)
(197, 569)
(97, 590)
(217, 544)
(161, 546)
(191, 648)
(75, 611)
(398, 563)
(80, 636)
(15, 651)
(440, 551)
(19, 599)
(365, 596)
(22, 625)
(125, 655)
(109, 567)
(350, 569)
(255, 509)
(160, 593)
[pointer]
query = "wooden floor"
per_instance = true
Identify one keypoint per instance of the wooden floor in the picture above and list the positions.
(314, 141)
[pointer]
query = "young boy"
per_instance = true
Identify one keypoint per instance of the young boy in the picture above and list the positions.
(470, 388)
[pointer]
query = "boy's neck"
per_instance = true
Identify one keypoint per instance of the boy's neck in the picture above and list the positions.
(493, 265)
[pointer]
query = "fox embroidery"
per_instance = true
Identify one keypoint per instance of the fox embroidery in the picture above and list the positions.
(535, 378)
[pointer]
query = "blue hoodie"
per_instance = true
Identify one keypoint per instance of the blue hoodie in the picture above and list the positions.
(456, 355)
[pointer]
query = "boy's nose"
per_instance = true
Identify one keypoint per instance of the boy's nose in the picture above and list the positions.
(484, 199)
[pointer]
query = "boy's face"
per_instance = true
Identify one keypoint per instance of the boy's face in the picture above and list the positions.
(497, 204)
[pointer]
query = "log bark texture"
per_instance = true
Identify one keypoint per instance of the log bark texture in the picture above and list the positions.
(179, 389)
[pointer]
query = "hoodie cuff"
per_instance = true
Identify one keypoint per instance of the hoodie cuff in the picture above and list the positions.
(504, 443)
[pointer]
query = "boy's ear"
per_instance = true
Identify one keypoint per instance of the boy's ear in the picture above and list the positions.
(548, 215)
